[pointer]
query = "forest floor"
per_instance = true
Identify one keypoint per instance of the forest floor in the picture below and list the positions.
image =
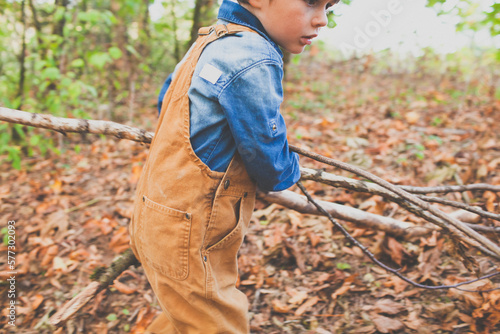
(424, 126)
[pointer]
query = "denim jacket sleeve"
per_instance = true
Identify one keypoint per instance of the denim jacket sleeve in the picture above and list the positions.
(163, 90)
(251, 102)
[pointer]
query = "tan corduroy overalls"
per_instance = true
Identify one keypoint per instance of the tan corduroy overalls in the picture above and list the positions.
(190, 221)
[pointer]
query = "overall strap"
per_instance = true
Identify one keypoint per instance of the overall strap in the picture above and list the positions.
(182, 80)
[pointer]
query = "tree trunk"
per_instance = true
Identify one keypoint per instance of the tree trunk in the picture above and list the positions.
(204, 14)
(22, 57)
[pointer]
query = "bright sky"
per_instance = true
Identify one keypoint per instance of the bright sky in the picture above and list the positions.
(402, 25)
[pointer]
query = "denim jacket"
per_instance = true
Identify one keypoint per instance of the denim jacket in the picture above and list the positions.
(235, 98)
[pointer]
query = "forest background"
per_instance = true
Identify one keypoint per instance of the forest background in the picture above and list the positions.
(107, 60)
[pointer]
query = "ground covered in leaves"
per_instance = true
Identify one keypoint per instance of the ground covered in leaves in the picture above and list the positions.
(419, 124)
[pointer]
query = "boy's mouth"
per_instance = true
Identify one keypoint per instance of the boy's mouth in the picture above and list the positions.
(307, 40)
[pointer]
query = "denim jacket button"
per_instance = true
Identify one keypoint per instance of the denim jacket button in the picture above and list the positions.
(226, 184)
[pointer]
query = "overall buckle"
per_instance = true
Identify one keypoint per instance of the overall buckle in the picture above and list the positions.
(221, 30)
(205, 31)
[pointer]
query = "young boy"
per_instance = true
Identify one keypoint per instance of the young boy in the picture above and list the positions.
(220, 135)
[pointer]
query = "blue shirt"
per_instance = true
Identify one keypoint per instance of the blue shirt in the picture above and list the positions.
(235, 97)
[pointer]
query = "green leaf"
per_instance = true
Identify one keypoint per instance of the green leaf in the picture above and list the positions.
(5, 236)
(51, 73)
(115, 52)
(77, 63)
(34, 140)
(91, 90)
(111, 317)
(99, 59)
(131, 49)
(343, 266)
(125, 311)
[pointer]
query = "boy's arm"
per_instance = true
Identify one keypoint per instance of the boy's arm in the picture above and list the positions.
(163, 90)
(252, 102)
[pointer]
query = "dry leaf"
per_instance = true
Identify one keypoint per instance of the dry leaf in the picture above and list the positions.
(50, 253)
(279, 307)
(120, 240)
(37, 301)
(385, 324)
(388, 306)
(343, 289)
(123, 288)
(297, 296)
(304, 307)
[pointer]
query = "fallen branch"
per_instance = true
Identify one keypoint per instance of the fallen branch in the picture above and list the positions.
(361, 218)
(103, 280)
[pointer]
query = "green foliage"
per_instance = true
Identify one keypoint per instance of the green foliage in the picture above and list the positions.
(332, 15)
(471, 15)
(78, 58)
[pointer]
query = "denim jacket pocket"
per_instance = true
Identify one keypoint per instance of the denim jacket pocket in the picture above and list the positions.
(164, 235)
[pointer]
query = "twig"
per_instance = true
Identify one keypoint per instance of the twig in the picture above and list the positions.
(83, 205)
(450, 189)
(477, 240)
(374, 188)
(376, 261)
(463, 206)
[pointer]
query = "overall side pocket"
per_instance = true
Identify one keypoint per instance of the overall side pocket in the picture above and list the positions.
(164, 235)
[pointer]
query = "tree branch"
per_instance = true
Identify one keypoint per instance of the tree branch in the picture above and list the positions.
(107, 276)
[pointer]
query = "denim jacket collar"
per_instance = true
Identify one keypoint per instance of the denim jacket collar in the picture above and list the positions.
(234, 13)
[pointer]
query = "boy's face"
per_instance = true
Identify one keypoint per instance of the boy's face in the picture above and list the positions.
(292, 24)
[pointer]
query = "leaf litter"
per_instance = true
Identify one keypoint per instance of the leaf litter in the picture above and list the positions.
(300, 275)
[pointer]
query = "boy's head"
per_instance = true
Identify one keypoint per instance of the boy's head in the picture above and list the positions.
(292, 24)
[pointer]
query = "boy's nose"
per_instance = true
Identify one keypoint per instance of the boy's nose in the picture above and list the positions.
(320, 19)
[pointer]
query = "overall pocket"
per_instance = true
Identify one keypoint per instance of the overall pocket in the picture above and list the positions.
(164, 235)
(233, 215)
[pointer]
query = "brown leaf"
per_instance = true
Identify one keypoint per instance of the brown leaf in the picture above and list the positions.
(297, 296)
(343, 289)
(279, 307)
(396, 250)
(123, 288)
(385, 324)
(37, 300)
(50, 253)
(120, 240)
(308, 304)
(388, 306)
